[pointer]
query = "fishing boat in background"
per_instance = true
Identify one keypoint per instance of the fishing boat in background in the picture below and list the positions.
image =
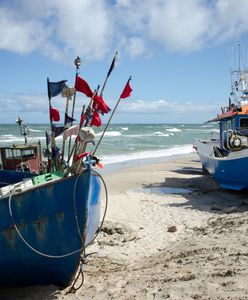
(226, 158)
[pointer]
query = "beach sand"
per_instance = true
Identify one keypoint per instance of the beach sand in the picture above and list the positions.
(170, 232)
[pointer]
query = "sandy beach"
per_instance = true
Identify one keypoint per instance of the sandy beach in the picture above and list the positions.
(170, 232)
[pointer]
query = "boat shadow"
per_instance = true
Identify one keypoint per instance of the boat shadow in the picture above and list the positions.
(201, 192)
(48, 292)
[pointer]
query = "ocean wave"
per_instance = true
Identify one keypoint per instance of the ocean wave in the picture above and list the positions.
(124, 128)
(207, 126)
(173, 129)
(110, 133)
(152, 134)
(7, 136)
(119, 158)
(159, 133)
(35, 130)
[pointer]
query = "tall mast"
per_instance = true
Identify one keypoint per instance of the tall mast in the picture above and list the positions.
(77, 63)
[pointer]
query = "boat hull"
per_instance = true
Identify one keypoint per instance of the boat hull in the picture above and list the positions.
(54, 220)
(229, 171)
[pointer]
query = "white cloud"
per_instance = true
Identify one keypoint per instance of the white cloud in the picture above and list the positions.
(23, 103)
(56, 29)
(164, 107)
(65, 28)
(135, 47)
(17, 35)
(180, 25)
(38, 103)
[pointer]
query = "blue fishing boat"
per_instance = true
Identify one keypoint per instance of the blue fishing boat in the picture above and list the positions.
(47, 219)
(225, 157)
(49, 201)
(49, 204)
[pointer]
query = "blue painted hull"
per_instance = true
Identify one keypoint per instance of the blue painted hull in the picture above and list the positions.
(230, 171)
(54, 219)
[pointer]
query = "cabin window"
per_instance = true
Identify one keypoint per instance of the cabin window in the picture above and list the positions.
(229, 125)
(18, 153)
(244, 123)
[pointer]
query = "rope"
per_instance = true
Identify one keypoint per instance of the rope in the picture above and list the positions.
(27, 244)
(105, 210)
(82, 262)
(72, 252)
(75, 209)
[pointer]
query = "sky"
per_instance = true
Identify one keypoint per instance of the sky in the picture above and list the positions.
(178, 53)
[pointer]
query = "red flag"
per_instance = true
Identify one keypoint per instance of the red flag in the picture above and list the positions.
(82, 86)
(127, 90)
(100, 105)
(82, 155)
(54, 114)
(96, 120)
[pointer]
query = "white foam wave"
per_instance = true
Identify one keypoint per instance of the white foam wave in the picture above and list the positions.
(7, 135)
(110, 133)
(173, 129)
(119, 158)
(35, 130)
(124, 128)
(159, 133)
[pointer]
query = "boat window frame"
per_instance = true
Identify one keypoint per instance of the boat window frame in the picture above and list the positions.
(240, 121)
(229, 124)
(11, 153)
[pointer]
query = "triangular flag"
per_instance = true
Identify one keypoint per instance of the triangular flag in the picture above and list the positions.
(68, 119)
(112, 65)
(55, 88)
(57, 130)
(99, 105)
(127, 89)
(82, 86)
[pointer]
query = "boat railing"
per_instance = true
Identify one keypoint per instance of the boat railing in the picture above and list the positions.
(217, 153)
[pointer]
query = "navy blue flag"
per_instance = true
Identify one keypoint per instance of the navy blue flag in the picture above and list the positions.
(55, 88)
(57, 130)
(55, 152)
(112, 65)
(48, 138)
(68, 119)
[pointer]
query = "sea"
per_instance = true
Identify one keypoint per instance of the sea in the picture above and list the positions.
(124, 143)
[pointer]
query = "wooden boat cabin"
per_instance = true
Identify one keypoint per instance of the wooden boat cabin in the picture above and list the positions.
(23, 158)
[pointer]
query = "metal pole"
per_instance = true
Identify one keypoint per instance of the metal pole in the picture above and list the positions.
(106, 127)
(77, 63)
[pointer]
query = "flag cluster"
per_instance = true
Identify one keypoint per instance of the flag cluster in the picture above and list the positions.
(99, 105)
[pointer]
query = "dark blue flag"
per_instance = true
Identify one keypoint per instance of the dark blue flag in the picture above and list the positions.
(55, 88)
(48, 138)
(112, 64)
(68, 119)
(57, 130)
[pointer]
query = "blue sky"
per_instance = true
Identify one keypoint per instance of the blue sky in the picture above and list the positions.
(178, 53)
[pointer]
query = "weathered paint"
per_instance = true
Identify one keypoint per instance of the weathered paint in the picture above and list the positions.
(46, 218)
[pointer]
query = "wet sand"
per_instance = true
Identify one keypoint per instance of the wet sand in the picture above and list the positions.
(170, 232)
